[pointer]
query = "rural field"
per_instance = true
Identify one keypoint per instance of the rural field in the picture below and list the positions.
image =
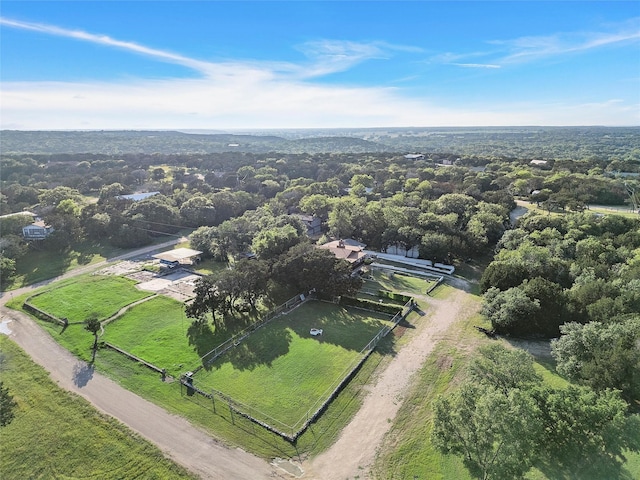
(282, 371)
(101, 295)
(57, 434)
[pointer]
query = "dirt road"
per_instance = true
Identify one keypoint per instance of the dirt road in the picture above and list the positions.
(353, 454)
(175, 436)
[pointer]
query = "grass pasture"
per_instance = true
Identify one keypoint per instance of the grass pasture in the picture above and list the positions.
(397, 282)
(158, 331)
(87, 295)
(57, 434)
(282, 371)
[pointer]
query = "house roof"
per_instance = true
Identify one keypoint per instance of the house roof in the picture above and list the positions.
(177, 254)
(348, 242)
(347, 249)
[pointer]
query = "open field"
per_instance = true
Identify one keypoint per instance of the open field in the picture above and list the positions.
(43, 265)
(87, 295)
(161, 323)
(157, 331)
(625, 211)
(283, 371)
(397, 282)
(57, 434)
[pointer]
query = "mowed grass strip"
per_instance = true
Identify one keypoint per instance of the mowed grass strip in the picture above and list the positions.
(397, 282)
(56, 434)
(87, 295)
(157, 331)
(281, 370)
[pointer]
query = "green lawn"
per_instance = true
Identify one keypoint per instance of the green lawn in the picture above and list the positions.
(157, 331)
(623, 210)
(87, 295)
(56, 434)
(282, 371)
(397, 282)
(41, 265)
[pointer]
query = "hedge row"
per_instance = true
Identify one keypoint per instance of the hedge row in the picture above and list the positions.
(398, 297)
(369, 305)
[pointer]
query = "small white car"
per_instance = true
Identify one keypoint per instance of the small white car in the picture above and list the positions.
(315, 331)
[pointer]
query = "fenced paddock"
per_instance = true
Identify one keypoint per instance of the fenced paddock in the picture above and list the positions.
(99, 295)
(282, 377)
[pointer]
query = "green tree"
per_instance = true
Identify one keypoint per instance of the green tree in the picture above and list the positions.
(315, 204)
(601, 355)
(270, 243)
(53, 197)
(7, 269)
(7, 406)
(305, 267)
(207, 299)
(496, 434)
(579, 423)
(504, 369)
(110, 192)
(197, 211)
(92, 325)
(510, 311)
(553, 310)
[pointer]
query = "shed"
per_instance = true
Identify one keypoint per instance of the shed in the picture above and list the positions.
(179, 256)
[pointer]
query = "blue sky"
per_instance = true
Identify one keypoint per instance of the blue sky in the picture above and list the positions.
(304, 64)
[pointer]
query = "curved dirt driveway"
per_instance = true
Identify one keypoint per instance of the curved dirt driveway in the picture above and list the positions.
(175, 436)
(354, 453)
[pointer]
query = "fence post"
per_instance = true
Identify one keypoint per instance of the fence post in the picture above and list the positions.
(233, 422)
(213, 400)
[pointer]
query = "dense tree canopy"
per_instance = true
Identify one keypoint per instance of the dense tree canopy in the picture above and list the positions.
(601, 355)
(505, 420)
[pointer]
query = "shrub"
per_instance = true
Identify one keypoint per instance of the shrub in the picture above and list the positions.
(369, 305)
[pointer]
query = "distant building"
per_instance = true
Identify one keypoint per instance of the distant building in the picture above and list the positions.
(313, 224)
(538, 163)
(414, 156)
(178, 257)
(136, 197)
(38, 230)
(348, 249)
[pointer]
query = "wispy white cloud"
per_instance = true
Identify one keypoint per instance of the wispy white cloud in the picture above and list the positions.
(477, 65)
(325, 56)
(245, 94)
(162, 55)
(330, 56)
(532, 48)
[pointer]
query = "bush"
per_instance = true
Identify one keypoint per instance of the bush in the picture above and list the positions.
(369, 305)
(394, 296)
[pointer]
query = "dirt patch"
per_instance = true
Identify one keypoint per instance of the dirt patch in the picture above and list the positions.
(399, 331)
(142, 276)
(123, 268)
(444, 362)
(540, 349)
